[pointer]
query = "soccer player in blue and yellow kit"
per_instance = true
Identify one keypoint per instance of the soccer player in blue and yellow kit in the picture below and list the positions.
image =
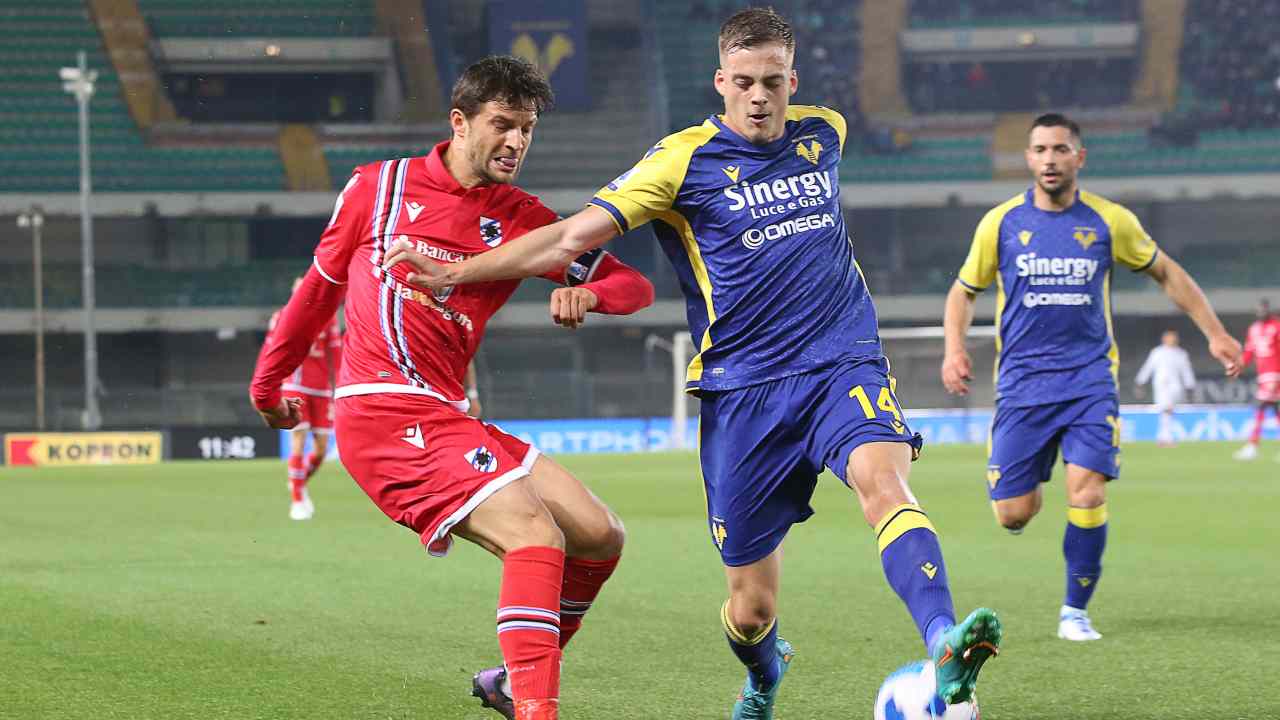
(790, 372)
(1050, 251)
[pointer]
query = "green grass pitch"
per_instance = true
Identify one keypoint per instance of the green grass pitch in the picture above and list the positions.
(184, 591)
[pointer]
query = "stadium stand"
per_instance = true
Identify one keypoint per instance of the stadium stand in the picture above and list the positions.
(1230, 65)
(990, 13)
(250, 18)
(1015, 86)
(38, 145)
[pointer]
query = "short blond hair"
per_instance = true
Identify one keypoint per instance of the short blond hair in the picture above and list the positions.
(753, 27)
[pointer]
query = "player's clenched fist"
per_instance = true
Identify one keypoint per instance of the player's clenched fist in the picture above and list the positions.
(957, 371)
(570, 305)
(1227, 351)
(426, 272)
(284, 416)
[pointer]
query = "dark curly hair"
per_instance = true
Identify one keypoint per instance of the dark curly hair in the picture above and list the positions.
(511, 81)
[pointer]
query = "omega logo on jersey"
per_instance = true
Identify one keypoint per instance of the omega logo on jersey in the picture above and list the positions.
(771, 197)
(1035, 299)
(755, 237)
(1057, 270)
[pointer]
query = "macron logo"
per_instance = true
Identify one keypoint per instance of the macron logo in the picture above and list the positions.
(413, 209)
(413, 436)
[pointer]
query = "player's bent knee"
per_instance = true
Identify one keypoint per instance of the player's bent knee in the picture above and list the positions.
(600, 539)
(1009, 522)
(1016, 514)
(751, 613)
(880, 491)
(615, 538)
(1088, 497)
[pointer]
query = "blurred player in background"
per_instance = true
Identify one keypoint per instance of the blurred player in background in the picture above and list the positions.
(1262, 342)
(1168, 369)
(1051, 251)
(401, 406)
(791, 374)
(312, 385)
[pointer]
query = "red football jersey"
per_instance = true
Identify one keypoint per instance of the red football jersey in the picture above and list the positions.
(399, 338)
(1262, 343)
(319, 368)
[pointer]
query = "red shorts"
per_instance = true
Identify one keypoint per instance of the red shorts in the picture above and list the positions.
(1268, 391)
(426, 464)
(317, 411)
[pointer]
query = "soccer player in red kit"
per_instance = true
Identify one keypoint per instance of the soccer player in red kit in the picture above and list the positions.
(1262, 343)
(401, 415)
(312, 384)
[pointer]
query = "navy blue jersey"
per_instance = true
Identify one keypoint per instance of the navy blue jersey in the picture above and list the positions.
(759, 244)
(1052, 270)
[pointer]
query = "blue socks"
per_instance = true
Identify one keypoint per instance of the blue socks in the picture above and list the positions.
(912, 561)
(759, 652)
(1082, 546)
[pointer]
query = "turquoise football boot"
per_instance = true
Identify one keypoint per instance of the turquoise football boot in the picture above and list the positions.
(756, 704)
(962, 651)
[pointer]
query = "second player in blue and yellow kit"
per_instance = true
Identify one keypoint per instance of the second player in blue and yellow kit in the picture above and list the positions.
(1057, 364)
(1051, 252)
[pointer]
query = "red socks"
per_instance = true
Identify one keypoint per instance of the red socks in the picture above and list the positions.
(548, 709)
(314, 461)
(297, 477)
(1259, 417)
(582, 582)
(529, 628)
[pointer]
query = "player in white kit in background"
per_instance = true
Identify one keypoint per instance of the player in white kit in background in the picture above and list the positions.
(1168, 369)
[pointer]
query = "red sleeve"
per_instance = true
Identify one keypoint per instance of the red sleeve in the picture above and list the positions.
(346, 226)
(312, 305)
(620, 288)
(1248, 348)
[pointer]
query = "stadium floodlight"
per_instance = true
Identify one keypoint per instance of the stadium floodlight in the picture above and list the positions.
(79, 82)
(34, 219)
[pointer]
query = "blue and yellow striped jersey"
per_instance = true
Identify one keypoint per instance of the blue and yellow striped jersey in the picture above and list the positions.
(759, 244)
(1052, 270)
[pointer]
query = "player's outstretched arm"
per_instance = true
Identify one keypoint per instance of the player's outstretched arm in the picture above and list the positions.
(1187, 295)
(957, 367)
(532, 254)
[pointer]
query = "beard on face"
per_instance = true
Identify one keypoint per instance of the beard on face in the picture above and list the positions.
(1064, 185)
(480, 160)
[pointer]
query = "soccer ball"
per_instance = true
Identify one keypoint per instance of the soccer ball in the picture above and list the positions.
(910, 693)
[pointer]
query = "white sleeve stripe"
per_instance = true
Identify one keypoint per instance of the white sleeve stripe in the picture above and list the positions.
(591, 272)
(316, 261)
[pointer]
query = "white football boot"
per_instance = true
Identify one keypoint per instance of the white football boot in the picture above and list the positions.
(1074, 625)
(1248, 452)
(302, 509)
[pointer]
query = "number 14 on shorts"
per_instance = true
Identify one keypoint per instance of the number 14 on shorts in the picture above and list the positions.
(884, 401)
